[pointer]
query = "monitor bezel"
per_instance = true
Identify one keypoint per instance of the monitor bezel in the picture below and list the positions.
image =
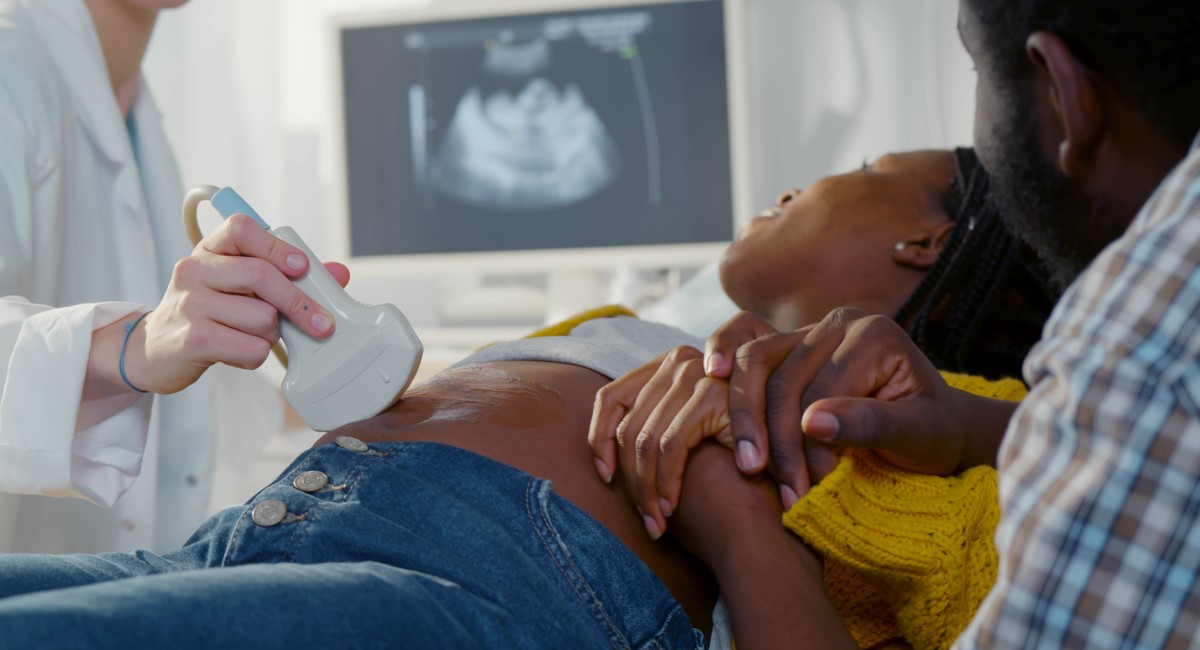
(590, 259)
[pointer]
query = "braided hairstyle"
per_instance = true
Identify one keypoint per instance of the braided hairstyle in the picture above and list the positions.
(982, 305)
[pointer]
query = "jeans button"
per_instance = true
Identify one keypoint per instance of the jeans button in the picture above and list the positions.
(310, 481)
(353, 444)
(268, 513)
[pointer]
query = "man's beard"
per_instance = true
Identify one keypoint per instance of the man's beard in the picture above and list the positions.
(1045, 208)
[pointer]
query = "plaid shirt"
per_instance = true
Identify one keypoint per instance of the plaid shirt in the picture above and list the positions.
(1100, 468)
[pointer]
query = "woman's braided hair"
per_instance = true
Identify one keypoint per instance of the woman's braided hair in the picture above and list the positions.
(982, 305)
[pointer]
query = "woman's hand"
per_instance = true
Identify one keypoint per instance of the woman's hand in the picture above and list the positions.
(646, 422)
(222, 306)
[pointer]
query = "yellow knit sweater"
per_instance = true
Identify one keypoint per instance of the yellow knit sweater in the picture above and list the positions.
(906, 555)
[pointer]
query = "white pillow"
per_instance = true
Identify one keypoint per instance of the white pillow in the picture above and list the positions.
(697, 307)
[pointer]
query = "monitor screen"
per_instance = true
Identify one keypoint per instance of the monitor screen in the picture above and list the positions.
(576, 129)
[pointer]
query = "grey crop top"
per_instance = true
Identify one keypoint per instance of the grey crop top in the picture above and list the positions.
(611, 346)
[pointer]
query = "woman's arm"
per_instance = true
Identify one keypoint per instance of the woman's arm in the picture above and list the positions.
(771, 582)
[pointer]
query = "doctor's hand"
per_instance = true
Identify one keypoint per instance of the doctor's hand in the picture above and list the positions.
(853, 379)
(646, 422)
(223, 305)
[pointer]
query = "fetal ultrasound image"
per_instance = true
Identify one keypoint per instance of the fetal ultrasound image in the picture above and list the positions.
(560, 130)
(543, 148)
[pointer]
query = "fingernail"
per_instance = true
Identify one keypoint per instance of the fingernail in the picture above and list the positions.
(651, 527)
(321, 322)
(821, 425)
(665, 506)
(603, 470)
(713, 363)
(747, 456)
(296, 261)
(788, 496)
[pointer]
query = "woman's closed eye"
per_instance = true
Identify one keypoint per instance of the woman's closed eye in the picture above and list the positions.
(786, 197)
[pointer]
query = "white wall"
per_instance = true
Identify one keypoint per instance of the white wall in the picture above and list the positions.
(246, 89)
(834, 82)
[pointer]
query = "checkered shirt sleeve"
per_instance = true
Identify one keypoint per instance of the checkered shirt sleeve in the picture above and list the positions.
(1100, 468)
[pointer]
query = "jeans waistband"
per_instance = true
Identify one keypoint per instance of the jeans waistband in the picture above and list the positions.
(464, 518)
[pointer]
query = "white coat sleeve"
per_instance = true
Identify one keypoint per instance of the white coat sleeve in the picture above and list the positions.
(49, 443)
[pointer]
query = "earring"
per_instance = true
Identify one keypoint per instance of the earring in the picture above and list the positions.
(899, 246)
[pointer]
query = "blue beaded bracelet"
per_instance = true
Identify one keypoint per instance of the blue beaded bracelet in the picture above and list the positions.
(129, 327)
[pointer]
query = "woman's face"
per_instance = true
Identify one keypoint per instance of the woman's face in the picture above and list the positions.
(835, 243)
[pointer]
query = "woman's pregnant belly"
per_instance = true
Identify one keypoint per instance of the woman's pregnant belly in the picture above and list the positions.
(534, 416)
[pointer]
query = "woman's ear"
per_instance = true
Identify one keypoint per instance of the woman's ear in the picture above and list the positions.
(921, 251)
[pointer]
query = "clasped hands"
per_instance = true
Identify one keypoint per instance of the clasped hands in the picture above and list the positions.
(785, 402)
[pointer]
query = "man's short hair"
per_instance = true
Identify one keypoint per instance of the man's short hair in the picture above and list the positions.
(1147, 50)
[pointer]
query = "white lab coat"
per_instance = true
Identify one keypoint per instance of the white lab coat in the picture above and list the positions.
(80, 227)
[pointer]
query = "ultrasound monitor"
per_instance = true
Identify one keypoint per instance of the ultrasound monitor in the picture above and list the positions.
(599, 127)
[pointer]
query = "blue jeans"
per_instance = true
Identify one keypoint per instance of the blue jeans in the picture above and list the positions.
(398, 545)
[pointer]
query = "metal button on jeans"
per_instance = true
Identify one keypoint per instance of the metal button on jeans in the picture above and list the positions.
(353, 444)
(268, 513)
(310, 481)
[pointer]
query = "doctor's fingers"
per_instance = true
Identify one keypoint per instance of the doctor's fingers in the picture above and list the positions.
(239, 333)
(339, 272)
(242, 236)
(248, 315)
(191, 320)
(252, 276)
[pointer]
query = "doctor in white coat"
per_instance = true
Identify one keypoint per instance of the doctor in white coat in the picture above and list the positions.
(89, 240)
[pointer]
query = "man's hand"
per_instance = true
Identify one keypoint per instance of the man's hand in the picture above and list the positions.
(647, 421)
(852, 379)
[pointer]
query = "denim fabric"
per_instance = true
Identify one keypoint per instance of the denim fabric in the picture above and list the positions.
(408, 545)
